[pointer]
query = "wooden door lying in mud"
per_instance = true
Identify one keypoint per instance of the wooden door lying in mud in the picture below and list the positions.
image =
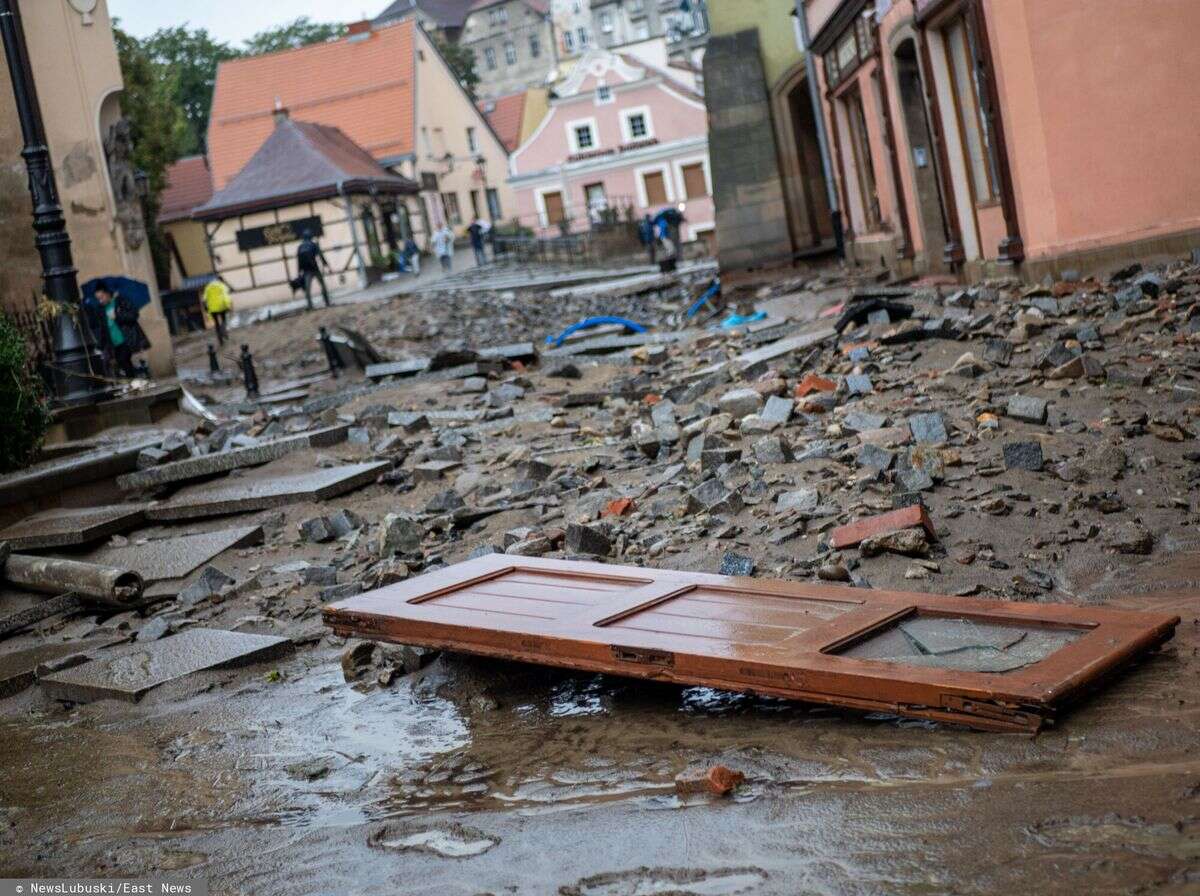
(990, 665)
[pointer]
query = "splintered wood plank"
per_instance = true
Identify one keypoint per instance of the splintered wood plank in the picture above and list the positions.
(993, 666)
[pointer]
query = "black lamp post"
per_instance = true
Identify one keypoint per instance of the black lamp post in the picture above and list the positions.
(481, 166)
(76, 361)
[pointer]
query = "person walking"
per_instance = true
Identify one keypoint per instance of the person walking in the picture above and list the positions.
(646, 235)
(120, 334)
(443, 247)
(218, 304)
(309, 259)
(478, 230)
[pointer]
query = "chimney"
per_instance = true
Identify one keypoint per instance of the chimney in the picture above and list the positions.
(363, 26)
(281, 112)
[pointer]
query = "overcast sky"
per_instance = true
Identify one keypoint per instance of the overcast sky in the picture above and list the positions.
(234, 20)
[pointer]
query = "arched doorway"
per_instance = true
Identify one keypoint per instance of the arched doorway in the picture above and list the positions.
(800, 162)
(922, 155)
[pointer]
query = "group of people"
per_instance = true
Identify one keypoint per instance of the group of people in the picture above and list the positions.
(113, 319)
(113, 322)
(660, 236)
(479, 232)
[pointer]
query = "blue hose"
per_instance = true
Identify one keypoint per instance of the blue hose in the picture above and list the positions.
(557, 341)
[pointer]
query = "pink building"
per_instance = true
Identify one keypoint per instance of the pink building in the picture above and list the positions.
(620, 134)
(1027, 137)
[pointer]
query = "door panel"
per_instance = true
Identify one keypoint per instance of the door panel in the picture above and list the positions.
(994, 666)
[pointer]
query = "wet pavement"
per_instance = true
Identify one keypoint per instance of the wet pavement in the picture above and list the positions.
(476, 777)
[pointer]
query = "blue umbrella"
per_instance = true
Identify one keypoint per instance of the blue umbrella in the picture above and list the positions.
(137, 292)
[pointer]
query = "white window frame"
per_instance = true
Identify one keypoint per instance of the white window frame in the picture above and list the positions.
(568, 41)
(585, 38)
(680, 164)
(627, 128)
(510, 53)
(472, 143)
(606, 21)
(535, 46)
(572, 139)
(639, 179)
(489, 58)
(604, 94)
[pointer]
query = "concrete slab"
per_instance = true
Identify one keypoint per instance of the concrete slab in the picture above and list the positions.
(19, 668)
(782, 347)
(223, 462)
(129, 675)
(174, 558)
(198, 501)
(51, 477)
(410, 367)
(70, 526)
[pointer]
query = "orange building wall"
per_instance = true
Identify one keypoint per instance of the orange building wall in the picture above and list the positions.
(1101, 102)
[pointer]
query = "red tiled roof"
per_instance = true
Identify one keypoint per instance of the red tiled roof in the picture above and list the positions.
(363, 85)
(505, 118)
(302, 161)
(189, 184)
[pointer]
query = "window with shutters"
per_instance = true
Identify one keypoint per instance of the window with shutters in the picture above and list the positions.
(695, 185)
(656, 188)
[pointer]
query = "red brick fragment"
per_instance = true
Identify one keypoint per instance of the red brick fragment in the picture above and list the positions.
(652, 399)
(813, 383)
(618, 507)
(849, 535)
(718, 780)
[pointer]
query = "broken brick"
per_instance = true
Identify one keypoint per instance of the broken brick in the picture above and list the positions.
(851, 534)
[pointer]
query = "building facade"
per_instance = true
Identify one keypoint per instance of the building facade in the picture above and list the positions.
(682, 23)
(771, 195)
(79, 84)
(620, 137)
(305, 178)
(189, 185)
(573, 32)
(979, 136)
(391, 92)
(514, 45)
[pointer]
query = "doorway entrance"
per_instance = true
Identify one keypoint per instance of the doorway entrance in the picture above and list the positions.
(916, 126)
(808, 175)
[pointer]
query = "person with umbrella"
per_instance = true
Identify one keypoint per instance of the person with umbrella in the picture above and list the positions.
(114, 321)
(309, 259)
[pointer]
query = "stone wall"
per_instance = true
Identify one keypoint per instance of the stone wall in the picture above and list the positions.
(752, 227)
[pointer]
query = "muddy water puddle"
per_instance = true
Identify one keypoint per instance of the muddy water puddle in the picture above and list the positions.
(460, 775)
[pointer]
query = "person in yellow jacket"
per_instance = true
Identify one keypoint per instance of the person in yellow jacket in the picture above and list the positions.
(218, 304)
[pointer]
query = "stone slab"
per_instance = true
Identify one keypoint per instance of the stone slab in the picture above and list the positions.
(129, 675)
(71, 526)
(200, 501)
(782, 347)
(174, 558)
(224, 461)
(45, 479)
(19, 668)
(411, 367)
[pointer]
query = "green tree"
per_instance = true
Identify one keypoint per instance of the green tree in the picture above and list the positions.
(461, 61)
(157, 127)
(22, 403)
(298, 33)
(192, 57)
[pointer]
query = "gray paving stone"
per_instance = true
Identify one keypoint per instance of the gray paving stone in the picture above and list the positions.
(131, 673)
(1023, 456)
(928, 429)
(174, 558)
(71, 526)
(261, 494)
(1028, 408)
(874, 457)
(777, 410)
(223, 462)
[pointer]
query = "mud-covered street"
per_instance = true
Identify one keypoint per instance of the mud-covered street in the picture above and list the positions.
(424, 772)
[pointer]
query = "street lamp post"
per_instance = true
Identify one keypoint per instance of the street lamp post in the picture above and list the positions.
(76, 361)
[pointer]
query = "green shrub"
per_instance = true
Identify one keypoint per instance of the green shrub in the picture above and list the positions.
(23, 413)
